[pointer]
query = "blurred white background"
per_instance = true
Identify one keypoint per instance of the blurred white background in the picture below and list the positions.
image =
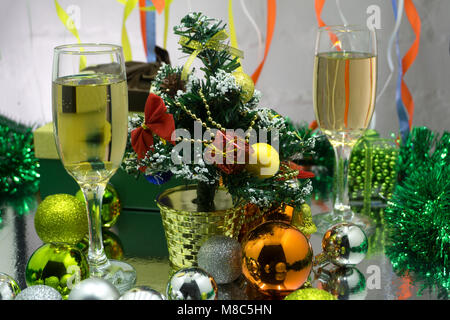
(30, 30)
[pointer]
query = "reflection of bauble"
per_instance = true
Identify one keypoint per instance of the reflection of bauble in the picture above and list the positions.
(264, 161)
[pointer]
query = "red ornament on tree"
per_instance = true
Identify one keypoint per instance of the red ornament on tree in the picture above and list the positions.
(229, 152)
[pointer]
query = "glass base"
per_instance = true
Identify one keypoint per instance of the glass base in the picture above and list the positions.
(326, 220)
(120, 274)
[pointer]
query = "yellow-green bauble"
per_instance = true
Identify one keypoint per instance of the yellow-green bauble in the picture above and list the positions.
(58, 265)
(61, 218)
(110, 205)
(310, 294)
(246, 83)
(264, 161)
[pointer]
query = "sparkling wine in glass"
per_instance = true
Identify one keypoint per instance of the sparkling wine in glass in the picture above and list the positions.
(344, 88)
(90, 118)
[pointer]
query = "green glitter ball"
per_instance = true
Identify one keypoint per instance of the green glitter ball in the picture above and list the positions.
(110, 205)
(310, 294)
(57, 265)
(61, 218)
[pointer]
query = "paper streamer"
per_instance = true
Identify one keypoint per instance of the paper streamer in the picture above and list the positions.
(148, 29)
(70, 25)
(166, 21)
(271, 19)
(233, 38)
(257, 30)
(129, 7)
(404, 127)
(410, 57)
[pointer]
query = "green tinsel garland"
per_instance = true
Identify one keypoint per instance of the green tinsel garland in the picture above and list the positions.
(19, 175)
(418, 215)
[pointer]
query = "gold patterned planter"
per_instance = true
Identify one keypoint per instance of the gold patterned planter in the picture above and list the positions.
(186, 229)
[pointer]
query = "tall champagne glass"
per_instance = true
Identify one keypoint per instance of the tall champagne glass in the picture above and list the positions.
(90, 119)
(344, 88)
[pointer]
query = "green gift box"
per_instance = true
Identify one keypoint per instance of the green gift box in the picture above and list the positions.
(137, 197)
(372, 174)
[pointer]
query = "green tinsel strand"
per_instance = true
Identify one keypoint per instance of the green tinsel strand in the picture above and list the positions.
(19, 177)
(418, 215)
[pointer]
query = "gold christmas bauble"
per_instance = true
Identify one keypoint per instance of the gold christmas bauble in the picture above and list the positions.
(246, 83)
(276, 258)
(61, 218)
(264, 161)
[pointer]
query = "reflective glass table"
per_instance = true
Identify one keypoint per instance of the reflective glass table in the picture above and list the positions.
(141, 235)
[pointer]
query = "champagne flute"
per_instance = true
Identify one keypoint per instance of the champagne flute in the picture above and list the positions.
(344, 88)
(90, 120)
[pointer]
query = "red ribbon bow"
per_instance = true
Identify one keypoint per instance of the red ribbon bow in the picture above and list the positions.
(157, 121)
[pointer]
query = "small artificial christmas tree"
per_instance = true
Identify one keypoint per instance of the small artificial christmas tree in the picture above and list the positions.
(253, 161)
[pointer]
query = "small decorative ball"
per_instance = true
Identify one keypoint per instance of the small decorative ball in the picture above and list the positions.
(111, 206)
(191, 284)
(302, 219)
(310, 294)
(94, 289)
(142, 293)
(220, 256)
(57, 265)
(345, 283)
(39, 292)
(9, 288)
(345, 244)
(61, 218)
(264, 161)
(246, 83)
(277, 258)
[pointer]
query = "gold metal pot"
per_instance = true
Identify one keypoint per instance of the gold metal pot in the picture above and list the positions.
(187, 229)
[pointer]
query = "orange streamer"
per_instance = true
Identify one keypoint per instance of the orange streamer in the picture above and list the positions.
(410, 56)
(319, 6)
(271, 18)
(159, 5)
(143, 27)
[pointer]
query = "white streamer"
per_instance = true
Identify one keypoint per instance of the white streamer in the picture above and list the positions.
(341, 14)
(258, 31)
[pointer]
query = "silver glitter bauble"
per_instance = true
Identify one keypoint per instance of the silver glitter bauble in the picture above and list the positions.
(9, 288)
(191, 284)
(346, 283)
(345, 244)
(94, 289)
(39, 292)
(142, 293)
(220, 256)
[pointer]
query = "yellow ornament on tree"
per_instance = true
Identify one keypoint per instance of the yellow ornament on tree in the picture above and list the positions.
(264, 161)
(61, 218)
(246, 83)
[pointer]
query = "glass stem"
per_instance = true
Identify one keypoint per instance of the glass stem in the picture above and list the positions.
(93, 195)
(342, 209)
